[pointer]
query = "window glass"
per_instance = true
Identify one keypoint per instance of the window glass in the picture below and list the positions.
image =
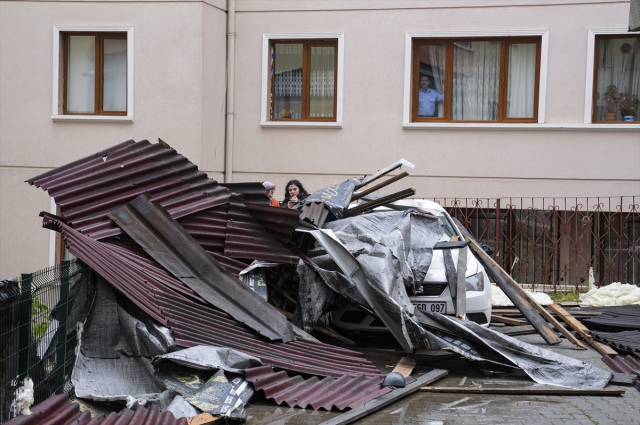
(521, 80)
(618, 79)
(476, 80)
(114, 96)
(81, 75)
(431, 80)
(287, 83)
(322, 79)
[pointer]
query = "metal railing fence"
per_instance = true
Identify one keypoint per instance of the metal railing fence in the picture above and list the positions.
(555, 243)
(36, 340)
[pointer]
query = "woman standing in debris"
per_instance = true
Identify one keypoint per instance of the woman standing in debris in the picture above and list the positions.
(293, 193)
(269, 190)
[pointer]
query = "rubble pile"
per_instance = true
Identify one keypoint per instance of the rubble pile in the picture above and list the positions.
(205, 294)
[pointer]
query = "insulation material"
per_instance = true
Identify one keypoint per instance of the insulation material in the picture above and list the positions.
(499, 299)
(335, 198)
(203, 357)
(614, 294)
(543, 366)
(23, 399)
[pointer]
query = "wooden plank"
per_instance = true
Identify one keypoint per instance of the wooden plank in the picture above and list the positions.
(577, 326)
(360, 194)
(405, 366)
(204, 419)
(516, 330)
(540, 309)
(507, 320)
(521, 391)
(516, 294)
(498, 310)
(386, 399)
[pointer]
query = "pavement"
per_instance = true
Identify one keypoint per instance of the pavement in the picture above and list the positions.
(467, 409)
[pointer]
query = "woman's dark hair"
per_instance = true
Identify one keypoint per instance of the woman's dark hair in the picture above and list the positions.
(301, 195)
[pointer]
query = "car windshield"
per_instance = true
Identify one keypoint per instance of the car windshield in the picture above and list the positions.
(449, 230)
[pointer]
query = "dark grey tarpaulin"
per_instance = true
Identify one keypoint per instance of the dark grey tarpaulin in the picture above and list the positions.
(335, 198)
(543, 366)
(169, 244)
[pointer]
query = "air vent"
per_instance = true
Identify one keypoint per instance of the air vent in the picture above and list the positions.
(433, 289)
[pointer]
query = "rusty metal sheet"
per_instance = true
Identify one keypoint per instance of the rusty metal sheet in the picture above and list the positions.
(195, 324)
(281, 222)
(58, 410)
(88, 189)
(169, 244)
(249, 192)
(327, 393)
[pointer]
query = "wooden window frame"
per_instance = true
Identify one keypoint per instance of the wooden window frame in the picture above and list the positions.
(99, 72)
(448, 89)
(596, 62)
(306, 83)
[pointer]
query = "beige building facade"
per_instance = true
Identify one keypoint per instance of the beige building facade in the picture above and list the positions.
(213, 105)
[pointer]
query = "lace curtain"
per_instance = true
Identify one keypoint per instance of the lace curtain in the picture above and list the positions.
(619, 66)
(521, 80)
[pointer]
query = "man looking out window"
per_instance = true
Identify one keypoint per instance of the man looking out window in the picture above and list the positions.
(427, 98)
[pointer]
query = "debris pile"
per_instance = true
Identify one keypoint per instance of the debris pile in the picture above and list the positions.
(205, 294)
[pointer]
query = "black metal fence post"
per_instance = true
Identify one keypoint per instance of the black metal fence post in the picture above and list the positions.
(61, 349)
(25, 325)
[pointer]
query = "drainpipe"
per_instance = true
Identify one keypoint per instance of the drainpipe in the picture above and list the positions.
(231, 58)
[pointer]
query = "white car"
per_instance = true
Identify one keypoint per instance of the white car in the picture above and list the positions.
(435, 295)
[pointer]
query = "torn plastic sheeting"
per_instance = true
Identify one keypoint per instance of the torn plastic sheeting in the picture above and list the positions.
(335, 198)
(168, 243)
(543, 366)
(314, 296)
(408, 235)
(384, 306)
(181, 408)
(205, 357)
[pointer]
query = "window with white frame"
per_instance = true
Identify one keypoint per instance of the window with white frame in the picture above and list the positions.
(616, 78)
(302, 80)
(93, 73)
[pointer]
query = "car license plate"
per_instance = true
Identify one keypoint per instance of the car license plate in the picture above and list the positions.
(432, 307)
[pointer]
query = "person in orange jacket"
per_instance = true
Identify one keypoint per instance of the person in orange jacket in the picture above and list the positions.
(269, 190)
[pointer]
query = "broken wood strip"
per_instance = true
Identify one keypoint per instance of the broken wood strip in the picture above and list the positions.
(281, 292)
(204, 419)
(507, 320)
(516, 294)
(385, 171)
(322, 328)
(360, 194)
(577, 326)
(405, 366)
(386, 399)
(516, 330)
(497, 310)
(359, 209)
(521, 391)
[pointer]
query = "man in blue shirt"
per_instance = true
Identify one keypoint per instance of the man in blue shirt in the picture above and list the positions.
(427, 98)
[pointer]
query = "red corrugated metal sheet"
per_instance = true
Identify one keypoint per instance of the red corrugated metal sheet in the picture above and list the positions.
(194, 322)
(341, 393)
(58, 410)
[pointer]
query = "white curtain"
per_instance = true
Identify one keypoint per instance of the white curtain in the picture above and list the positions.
(322, 81)
(521, 80)
(619, 66)
(287, 90)
(115, 75)
(476, 73)
(438, 56)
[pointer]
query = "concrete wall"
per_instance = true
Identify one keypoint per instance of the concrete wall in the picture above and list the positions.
(179, 85)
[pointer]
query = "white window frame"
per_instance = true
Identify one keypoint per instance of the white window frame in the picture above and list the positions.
(542, 88)
(264, 108)
(591, 52)
(55, 113)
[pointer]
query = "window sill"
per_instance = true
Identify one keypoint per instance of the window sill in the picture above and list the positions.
(302, 124)
(498, 126)
(93, 118)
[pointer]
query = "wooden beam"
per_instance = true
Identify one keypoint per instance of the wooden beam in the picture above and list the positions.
(386, 399)
(577, 326)
(359, 209)
(516, 294)
(521, 391)
(516, 330)
(365, 192)
(497, 310)
(204, 419)
(405, 366)
(508, 321)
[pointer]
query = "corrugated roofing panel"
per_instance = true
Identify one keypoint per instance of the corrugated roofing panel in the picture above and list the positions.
(281, 222)
(625, 341)
(342, 393)
(58, 410)
(615, 318)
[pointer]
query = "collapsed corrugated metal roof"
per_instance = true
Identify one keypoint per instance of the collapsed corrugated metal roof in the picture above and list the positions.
(194, 322)
(169, 244)
(58, 410)
(341, 393)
